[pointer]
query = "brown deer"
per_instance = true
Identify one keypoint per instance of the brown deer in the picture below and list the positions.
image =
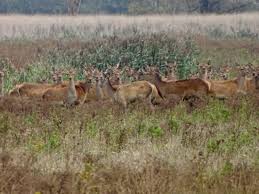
(98, 85)
(205, 70)
(71, 97)
(172, 69)
(30, 90)
(92, 86)
(115, 77)
(36, 90)
(227, 88)
(128, 93)
(250, 85)
(67, 94)
(181, 88)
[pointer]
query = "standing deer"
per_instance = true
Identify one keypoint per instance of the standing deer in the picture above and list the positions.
(172, 70)
(66, 94)
(98, 85)
(71, 95)
(128, 93)
(227, 88)
(181, 88)
(250, 85)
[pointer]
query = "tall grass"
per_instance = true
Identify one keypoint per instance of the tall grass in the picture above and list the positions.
(244, 25)
(96, 149)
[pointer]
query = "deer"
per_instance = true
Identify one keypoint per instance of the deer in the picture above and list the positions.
(91, 79)
(36, 90)
(67, 95)
(127, 93)
(172, 69)
(115, 75)
(205, 71)
(30, 90)
(181, 88)
(227, 88)
(98, 85)
(250, 85)
(71, 97)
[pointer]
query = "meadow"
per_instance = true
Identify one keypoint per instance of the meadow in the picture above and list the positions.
(212, 147)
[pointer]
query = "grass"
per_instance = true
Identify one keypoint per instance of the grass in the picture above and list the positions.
(96, 148)
(235, 26)
(211, 150)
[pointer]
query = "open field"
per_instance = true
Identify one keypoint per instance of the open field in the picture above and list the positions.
(87, 27)
(209, 147)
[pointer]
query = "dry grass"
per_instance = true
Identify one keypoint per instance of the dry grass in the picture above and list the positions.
(97, 149)
(39, 27)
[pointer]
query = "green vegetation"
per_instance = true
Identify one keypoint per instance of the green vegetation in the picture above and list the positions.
(207, 146)
(97, 148)
(136, 52)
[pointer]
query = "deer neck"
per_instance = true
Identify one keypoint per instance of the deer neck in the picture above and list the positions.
(98, 87)
(110, 89)
(158, 80)
(71, 86)
(205, 75)
(172, 76)
(241, 83)
(60, 80)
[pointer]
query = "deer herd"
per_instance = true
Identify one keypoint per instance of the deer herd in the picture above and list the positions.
(126, 85)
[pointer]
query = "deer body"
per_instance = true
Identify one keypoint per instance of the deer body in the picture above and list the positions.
(227, 88)
(71, 95)
(181, 88)
(222, 88)
(139, 90)
(68, 94)
(30, 89)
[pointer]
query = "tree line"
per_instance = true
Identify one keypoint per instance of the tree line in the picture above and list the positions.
(126, 6)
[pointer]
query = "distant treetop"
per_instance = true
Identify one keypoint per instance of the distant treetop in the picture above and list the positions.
(126, 6)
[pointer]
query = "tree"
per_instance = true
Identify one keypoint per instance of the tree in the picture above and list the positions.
(204, 6)
(73, 6)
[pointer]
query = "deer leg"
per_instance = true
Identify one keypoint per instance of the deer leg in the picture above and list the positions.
(124, 104)
(150, 98)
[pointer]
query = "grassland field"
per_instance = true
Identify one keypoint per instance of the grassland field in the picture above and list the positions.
(97, 148)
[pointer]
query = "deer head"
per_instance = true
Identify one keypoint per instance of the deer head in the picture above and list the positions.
(88, 73)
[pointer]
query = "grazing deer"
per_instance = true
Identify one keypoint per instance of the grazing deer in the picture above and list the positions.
(1, 83)
(139, 90)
